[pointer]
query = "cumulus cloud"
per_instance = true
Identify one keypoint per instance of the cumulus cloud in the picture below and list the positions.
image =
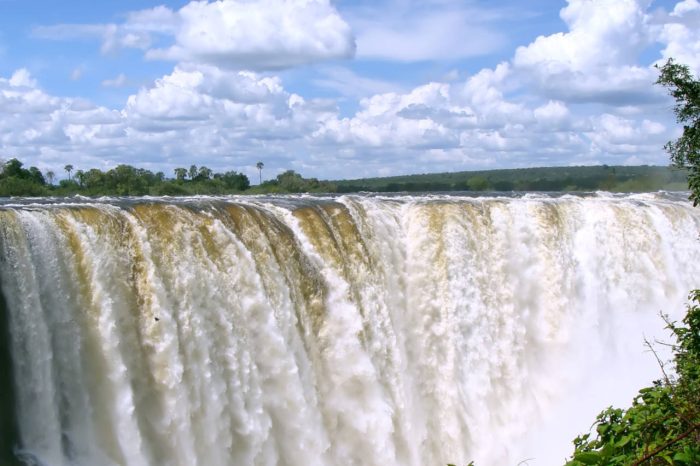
(196, 114)
(22, 78)
(553, 115)
(447, 125)
(579, 96)
(230, 119)
(680, 32)
(234, 34)
(597, 59)
(614, 135)
(46, 129)
(605, 32)
(262, 34)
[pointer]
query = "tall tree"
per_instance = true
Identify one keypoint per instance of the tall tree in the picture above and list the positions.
(80, 176)
(180, 173)
(204, 173)
(13, 167)
(684, 151)
(260, 166)
(68, 168)
(36, 175)
(50, 176)
(193, 172)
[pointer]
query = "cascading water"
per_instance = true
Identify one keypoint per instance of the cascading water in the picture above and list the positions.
(351, 330)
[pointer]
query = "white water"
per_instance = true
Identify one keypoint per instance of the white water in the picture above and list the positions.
(356, 330)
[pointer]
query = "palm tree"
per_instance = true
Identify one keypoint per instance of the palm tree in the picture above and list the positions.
(260, 166)
(68, 168)
(50, 176)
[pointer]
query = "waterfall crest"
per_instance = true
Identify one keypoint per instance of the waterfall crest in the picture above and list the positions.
(350, 330)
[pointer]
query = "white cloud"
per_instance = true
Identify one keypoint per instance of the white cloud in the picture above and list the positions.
(484, 91)
(22, 78)
(601, 33)
(196, 114)
(234, 34)
(230, 119)
(160, 19)
(379, 123)
(615, 136)
(552, 115)
(44, 129)
(119, 81)
(596, 60)
(262, 34)
(680, 32)
(575, 97)
(429, 30)
(113, 36)
(350, 84)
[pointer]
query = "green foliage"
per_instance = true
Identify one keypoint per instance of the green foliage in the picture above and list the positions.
(180, 173)
(292, 182)
(478, 183)
(684, 151)
(18, 181)
(122, 180)
(663, 424)
(233, 180)
(125, 180)
(557, 179)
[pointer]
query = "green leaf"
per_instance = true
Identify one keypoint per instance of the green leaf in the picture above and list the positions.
(682, 456)
(602, 428)
(623, 441)
(588, 457)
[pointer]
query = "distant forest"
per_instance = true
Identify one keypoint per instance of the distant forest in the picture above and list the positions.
(589, 178)
(125, 180)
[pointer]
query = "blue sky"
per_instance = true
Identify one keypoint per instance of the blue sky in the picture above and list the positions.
(339, 89)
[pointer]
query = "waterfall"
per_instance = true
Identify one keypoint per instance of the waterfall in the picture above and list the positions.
(360, 330)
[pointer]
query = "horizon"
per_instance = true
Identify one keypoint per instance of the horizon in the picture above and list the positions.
(398, 175)
(372, 88)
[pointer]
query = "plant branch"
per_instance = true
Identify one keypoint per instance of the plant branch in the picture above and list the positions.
(666, 445)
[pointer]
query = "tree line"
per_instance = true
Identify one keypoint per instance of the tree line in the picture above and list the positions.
(551, 179)
(125, 180)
